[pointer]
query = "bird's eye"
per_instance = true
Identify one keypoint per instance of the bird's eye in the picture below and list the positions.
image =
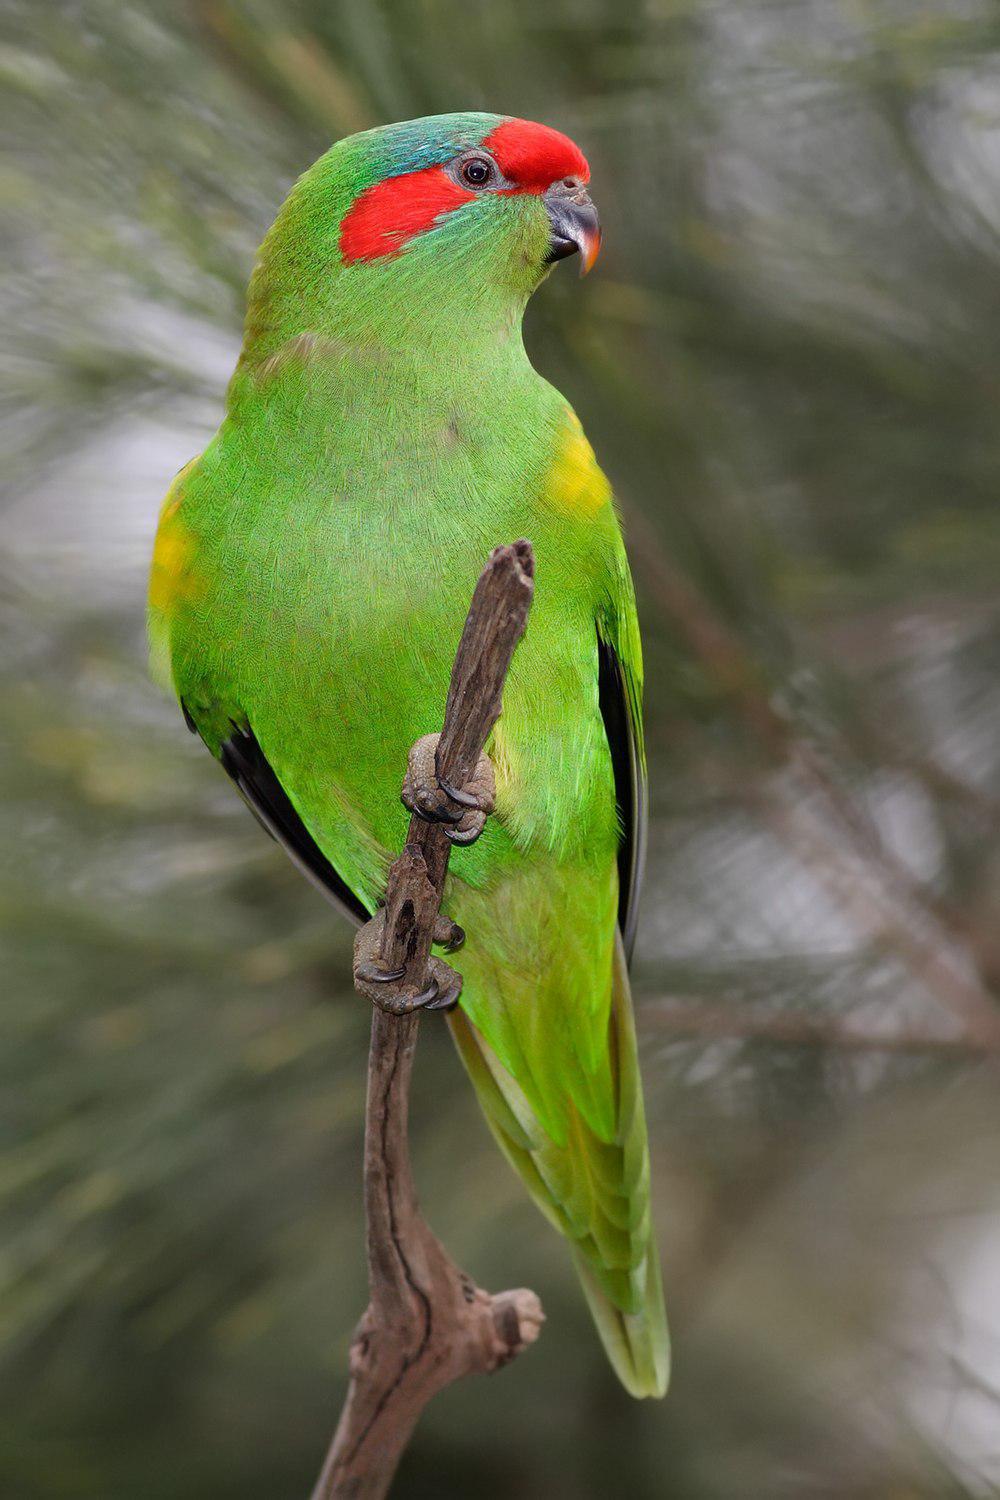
(477, 171)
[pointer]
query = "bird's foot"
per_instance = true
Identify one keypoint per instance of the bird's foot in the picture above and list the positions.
(391, 989)
(447, 934)
(464, 809)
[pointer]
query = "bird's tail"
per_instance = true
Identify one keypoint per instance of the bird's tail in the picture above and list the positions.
(595, 1192)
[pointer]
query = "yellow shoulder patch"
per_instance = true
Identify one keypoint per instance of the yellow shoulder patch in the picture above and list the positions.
(575, 482)
(172, 578)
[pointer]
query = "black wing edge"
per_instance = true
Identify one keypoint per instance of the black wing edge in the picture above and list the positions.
(245, 762)
(630, 787)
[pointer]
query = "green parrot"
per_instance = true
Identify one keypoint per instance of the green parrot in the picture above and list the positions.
(384, 430)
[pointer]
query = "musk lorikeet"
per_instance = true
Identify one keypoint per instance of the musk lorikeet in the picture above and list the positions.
(384, 430)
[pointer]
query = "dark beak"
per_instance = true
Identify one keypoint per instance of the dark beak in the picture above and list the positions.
(575, 225)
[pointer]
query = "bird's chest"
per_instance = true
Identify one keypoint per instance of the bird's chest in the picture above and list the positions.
(370, 528)
(331, 596)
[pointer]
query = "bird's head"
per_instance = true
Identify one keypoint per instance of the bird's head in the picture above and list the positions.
(449, 221)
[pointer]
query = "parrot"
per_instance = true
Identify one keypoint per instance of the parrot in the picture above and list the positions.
(384, 430)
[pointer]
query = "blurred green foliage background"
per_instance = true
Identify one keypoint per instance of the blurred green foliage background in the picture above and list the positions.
(787, 362)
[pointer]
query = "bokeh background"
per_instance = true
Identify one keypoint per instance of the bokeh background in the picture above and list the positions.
(788, 363)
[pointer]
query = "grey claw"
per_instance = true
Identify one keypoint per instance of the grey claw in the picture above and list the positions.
(462, 837)
(457, 939)
(430, 814)
(449, 985)
(447, 934)
(372, 974)
(446, 1001)
(464, 799)
(425, 1000)
(463, 840)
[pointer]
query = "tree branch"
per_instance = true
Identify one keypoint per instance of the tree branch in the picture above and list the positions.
(427, 1323)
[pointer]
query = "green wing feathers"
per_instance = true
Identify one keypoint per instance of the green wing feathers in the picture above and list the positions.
(595, 1192)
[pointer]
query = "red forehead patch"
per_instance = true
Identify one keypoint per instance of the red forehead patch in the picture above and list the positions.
(534, 156)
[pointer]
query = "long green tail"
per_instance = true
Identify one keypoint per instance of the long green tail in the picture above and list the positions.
(595, 1192)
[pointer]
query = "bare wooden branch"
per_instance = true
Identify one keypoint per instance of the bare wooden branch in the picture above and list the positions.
(449, 788)
(427, 1323)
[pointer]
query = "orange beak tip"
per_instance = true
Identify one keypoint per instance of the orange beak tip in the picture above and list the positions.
(589, 251)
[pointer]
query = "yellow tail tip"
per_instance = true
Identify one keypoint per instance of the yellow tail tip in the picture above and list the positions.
(637, 1344)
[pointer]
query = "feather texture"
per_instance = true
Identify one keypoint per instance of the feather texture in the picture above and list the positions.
(384, 431)
(595, 1191)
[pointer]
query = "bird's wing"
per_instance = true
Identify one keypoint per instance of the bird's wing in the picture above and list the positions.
(245, 762)
(230, 739)
(619, 654)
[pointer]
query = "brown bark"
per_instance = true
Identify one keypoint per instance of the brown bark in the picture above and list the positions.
(427, 1323)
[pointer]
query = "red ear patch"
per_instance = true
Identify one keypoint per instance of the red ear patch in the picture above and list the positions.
(533, 156)
(386, 215)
